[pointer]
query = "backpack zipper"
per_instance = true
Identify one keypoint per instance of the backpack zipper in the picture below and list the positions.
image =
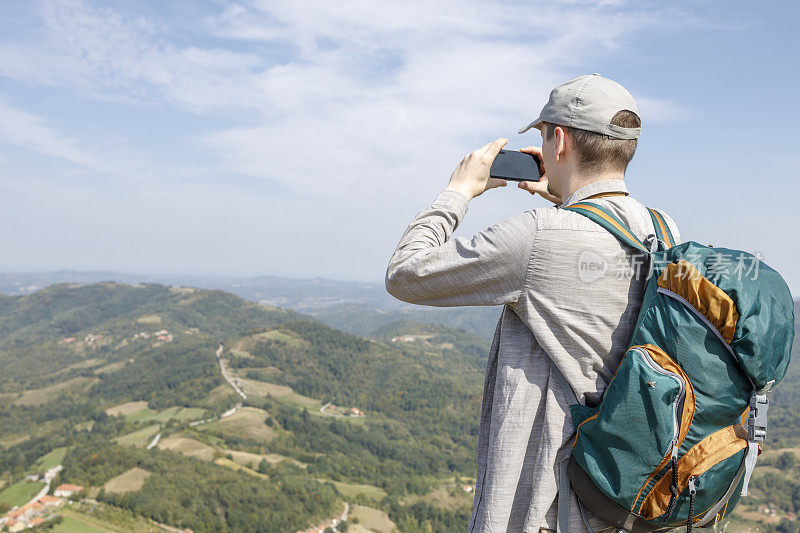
(692, 494)
(709, 325)
(681, 396)
(676, 423)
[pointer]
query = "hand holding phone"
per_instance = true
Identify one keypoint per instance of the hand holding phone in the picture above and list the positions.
(516, 166)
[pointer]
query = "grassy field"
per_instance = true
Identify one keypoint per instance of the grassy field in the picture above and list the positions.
(36, 397)
(49, 460)
(20, 493)
(263, 389)
(444, 496)
(140, 438)
(350, 490)
(13, 440)
(86, 363)
(187, 446)
(192, 447)
(183, 414)
(128, 481)
(75, 525)
(104, 517)
(149, 319)
(287, 394)
(246, 422)
(219, 393)
(247, 458)
(243, 346)
(139, 412)
(126, 409)
(370, 519)
(233, 465)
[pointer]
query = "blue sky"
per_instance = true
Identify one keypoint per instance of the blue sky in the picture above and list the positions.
(300, 138)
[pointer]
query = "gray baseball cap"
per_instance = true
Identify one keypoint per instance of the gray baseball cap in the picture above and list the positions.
(589, 103)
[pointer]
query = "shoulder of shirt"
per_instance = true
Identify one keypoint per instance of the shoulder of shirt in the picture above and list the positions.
(554, 214)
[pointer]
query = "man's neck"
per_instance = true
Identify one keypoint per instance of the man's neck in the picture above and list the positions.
(577, 180)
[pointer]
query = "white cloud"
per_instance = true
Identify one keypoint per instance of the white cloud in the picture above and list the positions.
(23, 129)
(359, 107)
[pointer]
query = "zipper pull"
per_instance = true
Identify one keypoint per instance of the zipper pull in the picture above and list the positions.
(674, 448)
(692, 493)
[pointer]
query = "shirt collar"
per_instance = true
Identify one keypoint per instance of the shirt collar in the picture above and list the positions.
(596, 187)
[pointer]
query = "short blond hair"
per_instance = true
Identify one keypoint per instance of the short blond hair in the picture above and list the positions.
(596, 152)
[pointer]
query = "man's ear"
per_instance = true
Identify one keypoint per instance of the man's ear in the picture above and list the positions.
(560, 144)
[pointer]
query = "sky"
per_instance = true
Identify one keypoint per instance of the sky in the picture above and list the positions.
(300, 138)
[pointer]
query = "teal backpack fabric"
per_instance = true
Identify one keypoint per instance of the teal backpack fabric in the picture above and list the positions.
(676, 436)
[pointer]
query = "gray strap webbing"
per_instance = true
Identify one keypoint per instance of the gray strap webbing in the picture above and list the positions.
(749, 464)
(585, 518)
(562, 523)
(756, 431)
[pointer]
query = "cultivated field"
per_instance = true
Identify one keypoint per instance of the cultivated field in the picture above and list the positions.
(369, 520)
(128, 481)
(139, 412)
(149, 319)
(126, 409)
(75, 525)
(187, 446)
(246, 422)
(36, 397)
(48, 461)
(140, 438)
(351, 490)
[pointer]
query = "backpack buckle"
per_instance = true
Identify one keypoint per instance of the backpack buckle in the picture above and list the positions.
(654, 244)
(757, 420)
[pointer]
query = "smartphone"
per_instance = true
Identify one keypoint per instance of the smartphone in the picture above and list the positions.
(516, 166)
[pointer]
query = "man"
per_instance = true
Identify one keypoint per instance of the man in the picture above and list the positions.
(571, 294)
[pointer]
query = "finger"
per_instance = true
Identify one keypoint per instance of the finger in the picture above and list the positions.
(496, 182)
(492, 149)
(525, 185)
(533, 187)
(536, 150)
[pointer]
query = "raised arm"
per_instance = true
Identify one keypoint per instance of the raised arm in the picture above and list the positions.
(430, 268)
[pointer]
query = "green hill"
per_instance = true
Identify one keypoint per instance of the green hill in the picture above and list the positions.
(97, 371)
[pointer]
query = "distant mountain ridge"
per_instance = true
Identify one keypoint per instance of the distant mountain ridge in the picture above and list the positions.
(354, 307)
(270, 290)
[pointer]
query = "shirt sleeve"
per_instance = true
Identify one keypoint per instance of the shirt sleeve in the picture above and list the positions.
(430, 268)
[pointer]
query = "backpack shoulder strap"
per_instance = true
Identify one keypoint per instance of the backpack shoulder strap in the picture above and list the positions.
(609, 221)
(662, 228)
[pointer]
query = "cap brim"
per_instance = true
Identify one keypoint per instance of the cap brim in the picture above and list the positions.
(535, 124)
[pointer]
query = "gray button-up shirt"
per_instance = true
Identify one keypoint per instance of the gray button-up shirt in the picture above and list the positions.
(571, 295)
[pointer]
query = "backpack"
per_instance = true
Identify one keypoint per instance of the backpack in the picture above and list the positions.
(676, 436)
